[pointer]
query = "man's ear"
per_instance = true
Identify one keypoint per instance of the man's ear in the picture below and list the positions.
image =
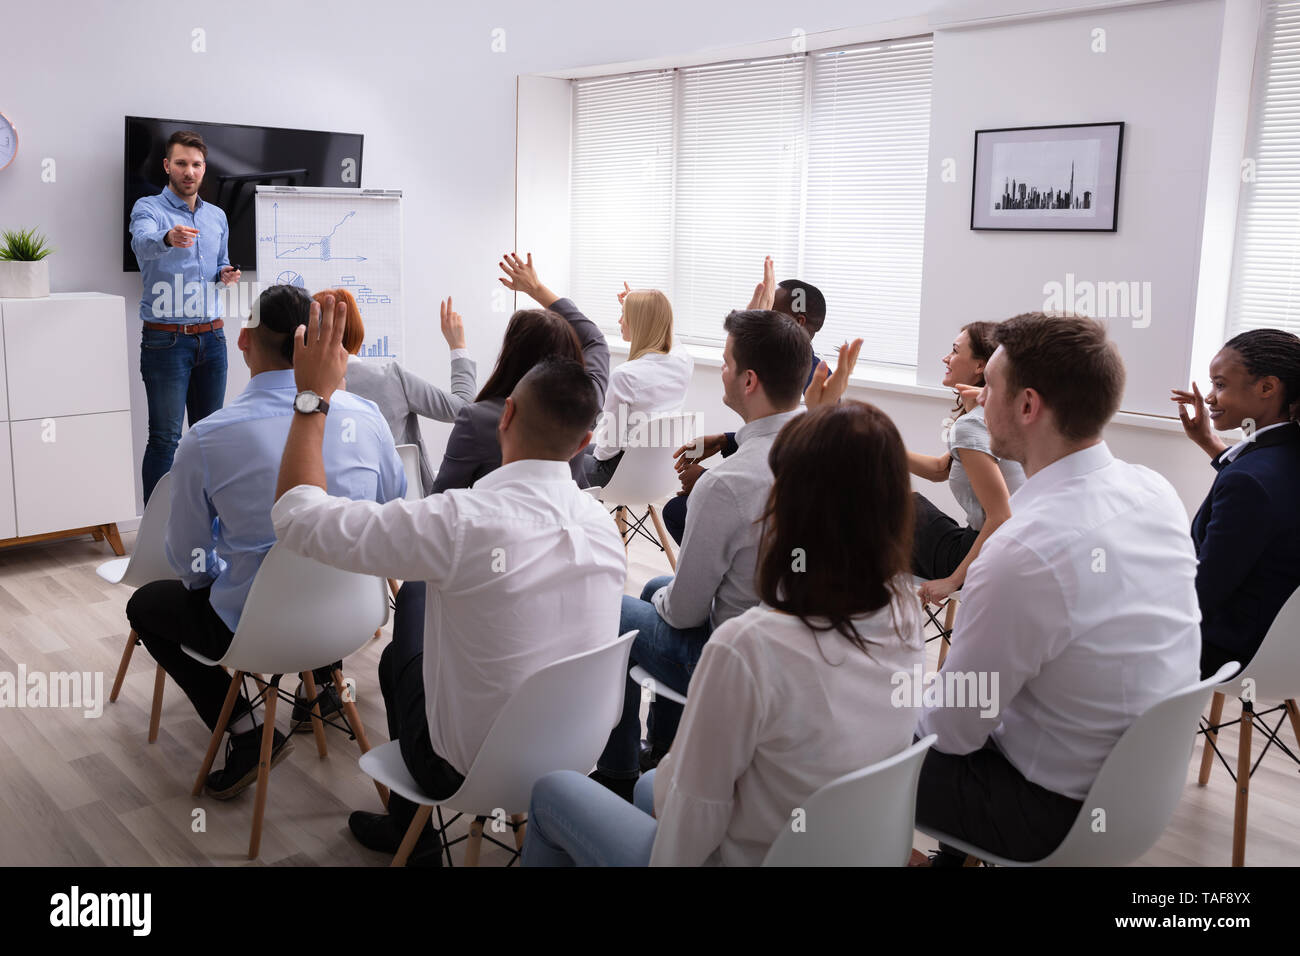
(586, 440)
(507, 416)
(243, 340)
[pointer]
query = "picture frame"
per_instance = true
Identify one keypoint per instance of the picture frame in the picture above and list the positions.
(1047, 178)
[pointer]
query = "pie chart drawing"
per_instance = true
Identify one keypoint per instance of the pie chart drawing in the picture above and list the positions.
(289, 277)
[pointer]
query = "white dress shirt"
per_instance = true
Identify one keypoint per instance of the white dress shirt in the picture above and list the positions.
(522, 570)
(1230, 454)
(775, 712)
(654, 384)
(1083, 605)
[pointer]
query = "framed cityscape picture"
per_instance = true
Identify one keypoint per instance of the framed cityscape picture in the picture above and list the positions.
(1047, 178)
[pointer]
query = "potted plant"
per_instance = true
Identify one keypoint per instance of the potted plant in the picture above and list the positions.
(24, 273)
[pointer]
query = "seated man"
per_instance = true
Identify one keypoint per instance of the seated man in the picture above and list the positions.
(521, 570)
(223, 486)
(765, 363)
(793, 297)
(1082, 605)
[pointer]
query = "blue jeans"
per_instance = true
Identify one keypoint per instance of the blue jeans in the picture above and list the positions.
(669, 654)
(182, 373)
(574, 821)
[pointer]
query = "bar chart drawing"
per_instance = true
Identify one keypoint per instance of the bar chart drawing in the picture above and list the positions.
(339, 238)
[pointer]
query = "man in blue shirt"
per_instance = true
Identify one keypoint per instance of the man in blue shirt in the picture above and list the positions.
(180, 242)
(223, 487)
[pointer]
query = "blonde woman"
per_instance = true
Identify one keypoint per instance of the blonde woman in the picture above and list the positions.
(653, 380)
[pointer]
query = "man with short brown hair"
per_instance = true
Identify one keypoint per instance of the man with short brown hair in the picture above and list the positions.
(180, 242)
(1080, 612)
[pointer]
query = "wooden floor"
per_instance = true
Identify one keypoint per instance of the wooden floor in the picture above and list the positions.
(78, 790)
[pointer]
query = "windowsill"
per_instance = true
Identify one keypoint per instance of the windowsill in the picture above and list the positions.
(875, 377)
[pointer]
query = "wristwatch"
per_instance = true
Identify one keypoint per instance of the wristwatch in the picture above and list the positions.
(309, 402)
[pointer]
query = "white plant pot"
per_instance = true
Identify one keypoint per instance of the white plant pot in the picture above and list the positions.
(25, 280)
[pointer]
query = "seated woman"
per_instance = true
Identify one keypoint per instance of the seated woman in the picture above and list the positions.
(558, 328)
(789, 695)
(402, 397)
(1247, 531)
(653, 380)
(981, 483)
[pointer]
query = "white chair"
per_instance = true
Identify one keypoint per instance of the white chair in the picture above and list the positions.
(642, 676)
(864, 818)
(558, 719)
(1272, 674)
(1135, 792)
(410, 455)
(299, 615)
(646, 474)
(148, 562)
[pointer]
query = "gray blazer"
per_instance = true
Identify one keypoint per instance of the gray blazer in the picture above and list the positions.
(403, 398)
(473, 449)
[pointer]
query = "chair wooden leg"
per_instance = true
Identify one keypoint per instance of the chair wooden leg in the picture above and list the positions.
(948, 619)
(520, 820)
(222, 721)
(621, 521)
(121, 668)
(263, 770)
(97, 533)
(155, 710)
(1293, 712)
(474, 845)
(1211, 738)
(317, 725)
(354, 719)
(412, 834)
(663, 537)
(114, 539)
(393, 586)
(1243, 786)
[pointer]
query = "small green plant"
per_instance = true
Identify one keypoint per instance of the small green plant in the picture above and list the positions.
(23, 245)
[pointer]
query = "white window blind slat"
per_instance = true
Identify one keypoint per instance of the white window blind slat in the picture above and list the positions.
(1265, 287)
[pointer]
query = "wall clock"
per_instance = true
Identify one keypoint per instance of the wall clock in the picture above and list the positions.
(8, 141)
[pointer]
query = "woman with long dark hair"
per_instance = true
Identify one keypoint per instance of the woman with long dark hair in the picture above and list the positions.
(1247, 531)
(791, 694)
(558, 329)
(982, 484)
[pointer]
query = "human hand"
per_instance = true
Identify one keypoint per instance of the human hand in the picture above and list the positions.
(703, 447)
(319, 359)
(181, 237)
(689, 473)
(827, 387)
(623, 295)
(1197, 427)
(229, 275)
(522, 277)
(937, 591)
(765, 292)
(453, 329)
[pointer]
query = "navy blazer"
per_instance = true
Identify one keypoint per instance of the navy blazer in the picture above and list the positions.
(473, 448)
(1247, 538)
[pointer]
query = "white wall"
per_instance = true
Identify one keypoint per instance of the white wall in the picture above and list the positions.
(1159, 75)
(436, 105)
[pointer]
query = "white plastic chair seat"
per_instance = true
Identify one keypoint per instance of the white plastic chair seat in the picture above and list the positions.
(112, 571)
(385, 764)
(1138, 787)
(410, 456)
(864, 818)
(641, 676)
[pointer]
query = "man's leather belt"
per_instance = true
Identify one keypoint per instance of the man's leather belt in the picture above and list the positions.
(187, 329)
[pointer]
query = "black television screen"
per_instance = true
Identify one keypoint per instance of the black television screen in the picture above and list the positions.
(240, 158)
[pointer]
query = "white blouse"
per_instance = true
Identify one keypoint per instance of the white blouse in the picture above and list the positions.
(654, 384)
(768, 721)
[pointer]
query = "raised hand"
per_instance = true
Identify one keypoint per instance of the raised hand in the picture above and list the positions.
(520, 276)
(1197, 427)
(319, 359)
(827, 387)
(968, 393)
(765, 292)
(453, 329)
(623, 295)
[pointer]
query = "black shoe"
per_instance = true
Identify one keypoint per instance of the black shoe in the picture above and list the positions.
(623, 786)
(330, 703)
(942, 858)
(383, 834)
(243, 753)
(649, 756)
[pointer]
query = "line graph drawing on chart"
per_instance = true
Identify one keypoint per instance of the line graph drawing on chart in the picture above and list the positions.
(300, 245)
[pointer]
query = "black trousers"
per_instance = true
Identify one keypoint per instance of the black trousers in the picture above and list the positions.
(401, 681)
(167, 614)
(599, 472)
(939, 544)
(674, 515)
(1213, 657)
(981, 799)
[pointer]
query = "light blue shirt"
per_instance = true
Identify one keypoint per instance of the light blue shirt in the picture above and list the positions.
(225, 472)
(180, 285)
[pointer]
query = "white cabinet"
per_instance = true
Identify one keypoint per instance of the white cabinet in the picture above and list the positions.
(68, 463)
(8, 519)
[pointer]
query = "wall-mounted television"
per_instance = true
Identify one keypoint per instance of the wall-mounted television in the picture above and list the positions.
(240, 158)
